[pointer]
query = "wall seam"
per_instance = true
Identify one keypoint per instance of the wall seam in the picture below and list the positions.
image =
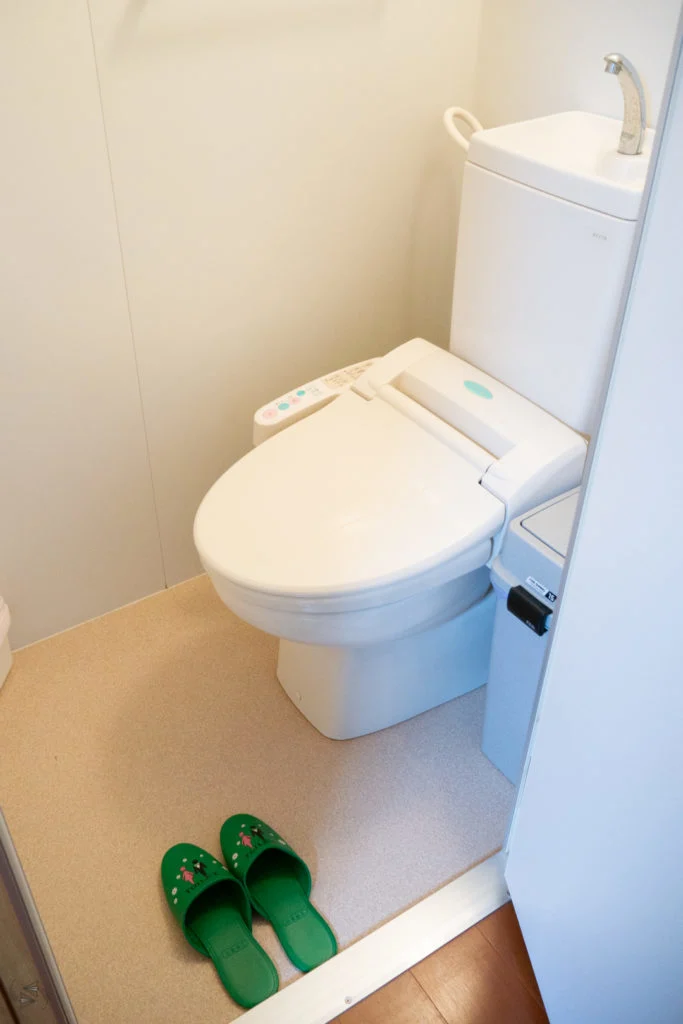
(477, 59)
(126, 290)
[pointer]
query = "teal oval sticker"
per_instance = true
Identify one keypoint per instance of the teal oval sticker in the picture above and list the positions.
(478, 389)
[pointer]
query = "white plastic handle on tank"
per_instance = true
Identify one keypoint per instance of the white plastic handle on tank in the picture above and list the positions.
(459, 113)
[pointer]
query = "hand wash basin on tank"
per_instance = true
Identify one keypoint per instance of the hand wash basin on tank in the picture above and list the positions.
(572, 155)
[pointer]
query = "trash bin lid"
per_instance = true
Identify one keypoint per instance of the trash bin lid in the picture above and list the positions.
(552, 525)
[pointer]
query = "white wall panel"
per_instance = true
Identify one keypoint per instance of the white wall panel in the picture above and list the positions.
(541, 56)
(77, 525)
(287, 202)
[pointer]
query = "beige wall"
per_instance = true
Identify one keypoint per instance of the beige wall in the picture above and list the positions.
(541, 56)
(206, 202)
(286, 202)
(78, 532)
(281, 180)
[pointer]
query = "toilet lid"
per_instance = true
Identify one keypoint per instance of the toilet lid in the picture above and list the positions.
(355, 496)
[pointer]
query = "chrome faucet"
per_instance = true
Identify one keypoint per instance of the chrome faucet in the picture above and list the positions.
(635, 117)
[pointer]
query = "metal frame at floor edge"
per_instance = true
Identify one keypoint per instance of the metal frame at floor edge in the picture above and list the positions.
(393, 948)
(52, 997)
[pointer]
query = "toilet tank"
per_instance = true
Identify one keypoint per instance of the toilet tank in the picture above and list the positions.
(541, 260)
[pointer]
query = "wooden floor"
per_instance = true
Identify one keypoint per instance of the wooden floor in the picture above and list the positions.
(482, 977)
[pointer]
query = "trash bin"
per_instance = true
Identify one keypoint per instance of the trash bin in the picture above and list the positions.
(5, 654)
(526, 578)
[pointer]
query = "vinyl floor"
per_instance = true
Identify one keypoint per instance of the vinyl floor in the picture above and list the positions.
(149, 726)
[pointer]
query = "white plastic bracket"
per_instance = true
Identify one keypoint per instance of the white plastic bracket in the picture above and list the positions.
(454, 114)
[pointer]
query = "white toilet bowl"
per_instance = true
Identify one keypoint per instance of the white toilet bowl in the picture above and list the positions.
(360, 537)
(351, 669)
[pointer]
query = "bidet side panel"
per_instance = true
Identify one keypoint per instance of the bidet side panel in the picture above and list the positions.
(537, 287)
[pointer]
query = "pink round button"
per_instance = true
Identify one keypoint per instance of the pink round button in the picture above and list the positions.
(294, 401)
(268, 414)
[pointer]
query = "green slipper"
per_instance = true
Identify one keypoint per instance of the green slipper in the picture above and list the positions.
(215, 915)
(278, 884)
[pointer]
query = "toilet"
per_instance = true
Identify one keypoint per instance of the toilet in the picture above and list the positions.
(361, 528)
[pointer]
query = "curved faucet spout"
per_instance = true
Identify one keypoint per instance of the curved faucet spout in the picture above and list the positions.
(635, 117)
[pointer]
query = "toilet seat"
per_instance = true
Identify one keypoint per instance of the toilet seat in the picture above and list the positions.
(354, 507)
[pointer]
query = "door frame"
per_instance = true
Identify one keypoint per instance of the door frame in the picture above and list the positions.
(35, 990)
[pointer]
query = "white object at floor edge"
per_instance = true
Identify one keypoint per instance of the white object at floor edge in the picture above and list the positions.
(5, 652)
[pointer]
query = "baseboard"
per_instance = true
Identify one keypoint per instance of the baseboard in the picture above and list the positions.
(372, 962)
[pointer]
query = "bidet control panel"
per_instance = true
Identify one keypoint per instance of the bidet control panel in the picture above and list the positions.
(302, 401)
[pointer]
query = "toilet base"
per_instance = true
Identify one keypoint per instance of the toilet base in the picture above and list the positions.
(351, 691)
